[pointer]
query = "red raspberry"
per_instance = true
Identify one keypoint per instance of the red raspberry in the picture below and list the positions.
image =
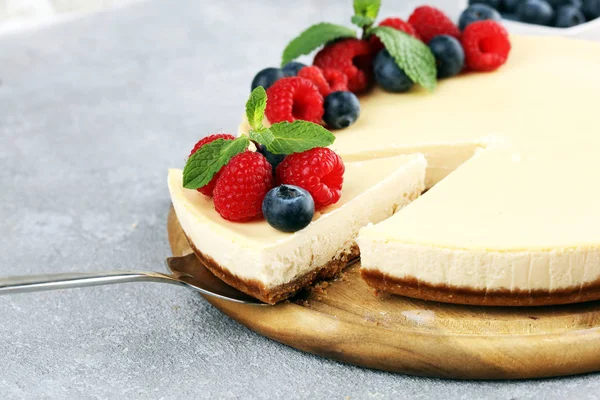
(242, 186)
(294, 98)
(486, 45)
(320, 171)
(207, 189)
(327, 80)
(396, 23)
(430, 22)
(351, 56)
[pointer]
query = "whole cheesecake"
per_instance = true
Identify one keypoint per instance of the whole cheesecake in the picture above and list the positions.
(513, 213)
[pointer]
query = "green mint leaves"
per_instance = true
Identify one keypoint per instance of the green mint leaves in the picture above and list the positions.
(283, 137)
(365, 12)
(206, 162)
(412, 55)
(280, 138)
(313, 38)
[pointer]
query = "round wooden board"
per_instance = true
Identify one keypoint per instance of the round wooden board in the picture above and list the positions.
(348, 323)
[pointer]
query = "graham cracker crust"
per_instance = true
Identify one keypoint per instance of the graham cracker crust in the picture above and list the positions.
(412, 287)
(279, 293)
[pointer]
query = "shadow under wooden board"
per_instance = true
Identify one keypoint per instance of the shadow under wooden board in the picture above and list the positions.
(346, 322)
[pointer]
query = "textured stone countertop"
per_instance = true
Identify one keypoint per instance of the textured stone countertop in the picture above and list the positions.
(92, 113)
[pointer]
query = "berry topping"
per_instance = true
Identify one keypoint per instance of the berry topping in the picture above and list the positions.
(396, 23)
(486, 45)
(430, 22)
(449, 55)
(351, 56)
(267, 77)
(535, 12)
(327, 80)
(294, 98)
(207, 189)
(341, 110)
(292, 68)
(568, 16)
(477, 12)
(273, 159)
(242, 186)
(591, 9)
(288, 208)
(320, 171)
(389, 75)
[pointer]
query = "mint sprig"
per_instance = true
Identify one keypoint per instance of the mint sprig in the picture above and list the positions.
(255, 107)
(411, 55)
(365, 12)
(209, 159)
(313, 38)
(298, 136)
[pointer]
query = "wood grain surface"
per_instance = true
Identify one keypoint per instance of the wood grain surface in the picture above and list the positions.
(345, 321)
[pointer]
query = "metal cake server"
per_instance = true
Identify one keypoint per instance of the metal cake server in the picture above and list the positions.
(188, 272)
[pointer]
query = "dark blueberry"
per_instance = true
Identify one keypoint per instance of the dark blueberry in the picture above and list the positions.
(267, 77)
(557, 3)
(511, 17)
(341, 109)
(449, 55)
(292, 68)
(535, 12)
(591, 9)
(509, 6)
(568, 16)
(477, 12)
(273, 159)
(491, 3)
(288, 208)
(389, 75)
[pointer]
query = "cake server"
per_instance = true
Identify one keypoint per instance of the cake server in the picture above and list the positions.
(187, 271)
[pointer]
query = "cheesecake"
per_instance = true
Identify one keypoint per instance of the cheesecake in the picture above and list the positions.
(272, 265)
(512, 215)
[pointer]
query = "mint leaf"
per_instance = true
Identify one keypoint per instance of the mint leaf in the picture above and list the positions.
(298, 136)
(313, 38)
(412, 55)
(367, 8)
(206, 162)
(361, 21)
(262, 136)
(255, 107)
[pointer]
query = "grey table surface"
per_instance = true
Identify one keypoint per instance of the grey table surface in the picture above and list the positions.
(92, 113)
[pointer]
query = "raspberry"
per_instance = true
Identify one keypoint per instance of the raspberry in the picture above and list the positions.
(327, 80)
(242, 186)
(351, 56)
(294, 98)
(396, 23)
(320, 171)
(207, 189)
(486, 45)
(430, 22)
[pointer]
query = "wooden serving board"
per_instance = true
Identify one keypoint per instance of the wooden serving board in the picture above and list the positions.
(346, 322)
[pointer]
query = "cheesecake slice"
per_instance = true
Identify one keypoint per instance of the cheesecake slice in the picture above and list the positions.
(272, 265)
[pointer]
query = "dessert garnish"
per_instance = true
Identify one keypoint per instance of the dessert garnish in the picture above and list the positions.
(238, 179)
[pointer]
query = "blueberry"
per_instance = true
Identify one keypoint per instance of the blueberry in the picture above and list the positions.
(388, 75)
(273, 159)
(288, 208)
(567, 16)
(292, 68)
(509, 6)
(557, 3)
(449, 55)
(591, 9)
(267, 77)
(477, 12)
(341, 109)
(491, 3)
(535, 12)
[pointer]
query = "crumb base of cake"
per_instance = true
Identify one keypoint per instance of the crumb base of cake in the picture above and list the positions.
(412, 287)
(281, 292)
